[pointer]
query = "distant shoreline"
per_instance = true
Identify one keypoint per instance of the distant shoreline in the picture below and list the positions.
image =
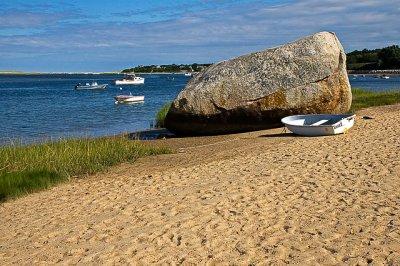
(54, 73)
(84, 73)
(389, 72)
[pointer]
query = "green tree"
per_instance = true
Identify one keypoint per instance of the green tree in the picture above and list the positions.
(195, 67)
(389, 57)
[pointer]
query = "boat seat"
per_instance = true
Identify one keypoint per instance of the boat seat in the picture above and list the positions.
(322, 122)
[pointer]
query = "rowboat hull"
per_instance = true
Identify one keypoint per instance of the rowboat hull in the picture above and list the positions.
(319, 124)
(128, 99)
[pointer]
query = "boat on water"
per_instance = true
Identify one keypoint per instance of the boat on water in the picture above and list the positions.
(384, 77)
(188, 74)
(127, 99)
(90, 86)
(319, 124)
(130, 79)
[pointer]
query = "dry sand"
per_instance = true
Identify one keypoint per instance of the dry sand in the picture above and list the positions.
(263, 198)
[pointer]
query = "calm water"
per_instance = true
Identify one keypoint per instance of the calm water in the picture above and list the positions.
(37, 107)
(375, 84)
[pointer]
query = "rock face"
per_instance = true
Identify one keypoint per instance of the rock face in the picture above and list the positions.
(255, 91)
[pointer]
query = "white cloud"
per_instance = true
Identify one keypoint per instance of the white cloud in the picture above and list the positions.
(210, 31)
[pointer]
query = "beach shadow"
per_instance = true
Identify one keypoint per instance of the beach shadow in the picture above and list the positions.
(279, 135)
(151, 134)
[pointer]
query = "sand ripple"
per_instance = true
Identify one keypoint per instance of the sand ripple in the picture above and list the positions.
(260, 198)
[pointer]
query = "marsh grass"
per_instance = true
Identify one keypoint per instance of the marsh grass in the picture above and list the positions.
(364, 98)
(162, 114)
(30, 168)
(13, 184)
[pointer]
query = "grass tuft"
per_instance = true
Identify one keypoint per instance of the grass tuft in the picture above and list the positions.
(162, 114)
(14, 184)
(24, 169)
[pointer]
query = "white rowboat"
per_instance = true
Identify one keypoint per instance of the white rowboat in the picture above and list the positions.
(127, 99)
(319, 124)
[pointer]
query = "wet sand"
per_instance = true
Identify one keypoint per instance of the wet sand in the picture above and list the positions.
(265, 197)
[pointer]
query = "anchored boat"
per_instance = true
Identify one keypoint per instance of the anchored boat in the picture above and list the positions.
(126, 99)
(90, 86)
(319, 124)
(130, 79)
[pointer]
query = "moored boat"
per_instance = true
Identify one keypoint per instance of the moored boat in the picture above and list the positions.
(90, 86)
(126, 99)
(319, 124)
(130, 79)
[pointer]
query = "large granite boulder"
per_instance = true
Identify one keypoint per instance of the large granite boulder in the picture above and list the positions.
(255, 91)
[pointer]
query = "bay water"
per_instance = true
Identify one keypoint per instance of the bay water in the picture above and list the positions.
(38, 107)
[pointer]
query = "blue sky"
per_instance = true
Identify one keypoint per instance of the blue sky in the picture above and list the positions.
(99, 35)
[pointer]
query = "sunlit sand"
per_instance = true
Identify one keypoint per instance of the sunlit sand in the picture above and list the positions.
(260, 197)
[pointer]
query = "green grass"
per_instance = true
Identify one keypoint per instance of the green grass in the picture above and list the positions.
(13, 184)
(25, 169)
(364, 98)
(162, 114)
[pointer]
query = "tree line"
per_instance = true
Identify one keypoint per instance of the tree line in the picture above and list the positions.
(173, 68)
(378, 59)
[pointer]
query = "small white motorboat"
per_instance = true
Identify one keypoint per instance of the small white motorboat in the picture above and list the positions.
(319, 124)
(130, 79)
(90, 86)
(127, 99)
(188, 74)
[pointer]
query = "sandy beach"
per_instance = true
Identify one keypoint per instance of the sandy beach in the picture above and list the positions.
(263, 198)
